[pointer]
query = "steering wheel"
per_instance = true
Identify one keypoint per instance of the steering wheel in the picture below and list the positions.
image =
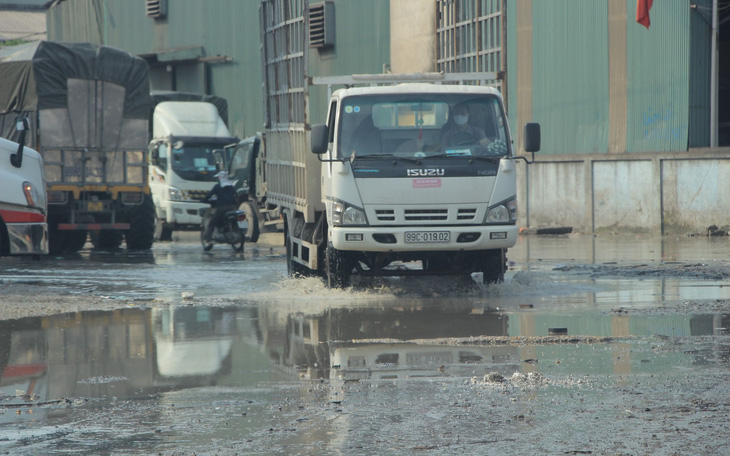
(463, 138)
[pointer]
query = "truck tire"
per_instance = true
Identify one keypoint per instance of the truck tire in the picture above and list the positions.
(141, 233)
(252, 235)
(106, 239)
(493, 266)
(337, 268)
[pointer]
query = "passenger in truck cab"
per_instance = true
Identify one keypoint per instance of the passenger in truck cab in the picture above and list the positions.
(459, 132)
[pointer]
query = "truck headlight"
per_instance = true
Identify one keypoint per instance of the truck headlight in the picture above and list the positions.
(175, 194)
(346, 215)
(498, 214)
(33, 195)
(504, 212)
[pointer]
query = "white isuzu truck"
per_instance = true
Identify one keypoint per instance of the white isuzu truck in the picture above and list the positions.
(411, 174)
(188, 138)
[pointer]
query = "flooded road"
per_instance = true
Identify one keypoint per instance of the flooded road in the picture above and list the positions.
(615, 345)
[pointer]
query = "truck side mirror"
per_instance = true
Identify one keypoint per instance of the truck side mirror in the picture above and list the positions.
(531, 137)
(22, 125)
(319, 139)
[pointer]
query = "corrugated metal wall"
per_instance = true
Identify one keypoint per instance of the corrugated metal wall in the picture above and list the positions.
(658, 75)
(225, 28)
(570, 75)
(601, 83)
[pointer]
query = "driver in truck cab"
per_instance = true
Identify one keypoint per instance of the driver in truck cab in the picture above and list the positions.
(222, 197)
(461, 132)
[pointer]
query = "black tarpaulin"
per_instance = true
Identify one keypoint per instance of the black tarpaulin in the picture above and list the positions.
(34, 77)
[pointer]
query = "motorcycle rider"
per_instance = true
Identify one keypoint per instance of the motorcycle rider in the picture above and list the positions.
(225, 200)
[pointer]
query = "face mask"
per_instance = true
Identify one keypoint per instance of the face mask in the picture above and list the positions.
(460, 120)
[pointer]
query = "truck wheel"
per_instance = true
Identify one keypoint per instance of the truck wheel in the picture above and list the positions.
(163, 232)
(493, 266)
(75, 240)
(338, 272)
(252, 235)
(141, 233)
(106, 239)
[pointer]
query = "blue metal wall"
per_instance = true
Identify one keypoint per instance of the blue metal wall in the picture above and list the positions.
(663, 74)
(227, 28)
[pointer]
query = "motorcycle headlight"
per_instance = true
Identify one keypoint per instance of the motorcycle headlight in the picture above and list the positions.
(345, 215)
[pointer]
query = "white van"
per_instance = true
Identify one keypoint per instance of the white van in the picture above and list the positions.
(23, 209)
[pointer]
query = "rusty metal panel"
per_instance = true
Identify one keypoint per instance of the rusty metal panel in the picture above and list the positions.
(617, 82)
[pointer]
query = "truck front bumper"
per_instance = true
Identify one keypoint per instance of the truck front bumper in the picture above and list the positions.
(184, 213)
(28, 238)
(423, 239)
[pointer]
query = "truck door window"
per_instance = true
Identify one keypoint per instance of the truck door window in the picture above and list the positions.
(331, 123)
(162, 156)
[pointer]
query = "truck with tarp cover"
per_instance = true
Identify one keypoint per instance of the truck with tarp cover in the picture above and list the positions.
(89, 108)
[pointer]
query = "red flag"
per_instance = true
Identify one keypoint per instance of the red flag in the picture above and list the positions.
(642, 12)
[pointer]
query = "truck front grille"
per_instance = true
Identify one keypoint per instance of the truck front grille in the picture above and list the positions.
(415, 215)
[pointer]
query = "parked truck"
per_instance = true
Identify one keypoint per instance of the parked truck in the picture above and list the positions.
(23, 210)
(188, 147)
(248, 169)
(88, 107)
(393, 186)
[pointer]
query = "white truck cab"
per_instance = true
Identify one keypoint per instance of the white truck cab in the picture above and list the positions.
(23, 209)
(188, 139)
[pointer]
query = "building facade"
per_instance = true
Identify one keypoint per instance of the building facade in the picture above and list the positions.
(624, 110)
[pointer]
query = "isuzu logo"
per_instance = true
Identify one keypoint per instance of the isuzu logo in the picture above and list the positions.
(425, 172)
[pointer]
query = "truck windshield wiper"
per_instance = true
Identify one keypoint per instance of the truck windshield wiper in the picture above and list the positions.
(394, 157)
(490, 158)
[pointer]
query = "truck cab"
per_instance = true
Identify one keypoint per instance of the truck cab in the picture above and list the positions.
(188, 148)
(23, 202)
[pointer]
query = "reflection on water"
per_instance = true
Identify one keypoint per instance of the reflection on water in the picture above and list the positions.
(138, 353)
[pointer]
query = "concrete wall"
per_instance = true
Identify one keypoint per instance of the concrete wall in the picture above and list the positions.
(412, 37)
(673, 193)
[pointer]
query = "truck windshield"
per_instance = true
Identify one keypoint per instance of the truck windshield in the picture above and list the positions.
(194, 162)
(438, 125)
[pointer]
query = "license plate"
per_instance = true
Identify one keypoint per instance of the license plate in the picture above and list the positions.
(420, 359)
(427, 236)
(95, 206)
(243, 224)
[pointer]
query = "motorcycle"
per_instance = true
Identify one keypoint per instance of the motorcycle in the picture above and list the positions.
(231, 230)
